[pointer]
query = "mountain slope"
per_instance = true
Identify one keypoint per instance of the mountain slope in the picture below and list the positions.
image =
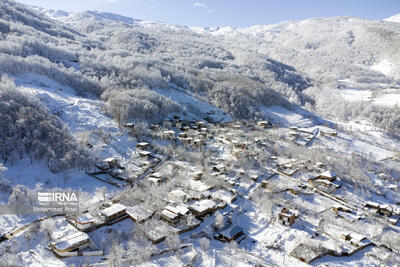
(395, 18)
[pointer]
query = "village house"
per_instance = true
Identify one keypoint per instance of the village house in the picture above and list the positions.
(145, 154)
(170, 135)
(198, 142)
(129, 125)
(219, 168)
(264, 124)
(170, 214)
(78, 241)
(203, 129)
(155, 127)
(203, 207)
(199, 125)
(142, 145)
(355, 239)
(308, 252)
(340, 208)
(320, 165)
(177, 195)
(287, 217)
(183, 135)
(114, 212)
(385, 210)
(230, 234)
(108, 163)
(197, 175)
(293, 134)
(155, 178)
(185, 128)
(371, 205)
(138, 214)
(328, 133)
(84, 222)
(327, 179)
(182, 208)
(327, 175)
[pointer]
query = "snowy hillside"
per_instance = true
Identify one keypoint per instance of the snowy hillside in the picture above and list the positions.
(75, 18)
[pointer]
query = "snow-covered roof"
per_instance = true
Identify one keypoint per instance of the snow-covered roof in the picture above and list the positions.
(110, 159)
(203, 205)
(70, 241)
(231, 231)
(169, 214)
(169, 132)
(116, 208)
(142, 144)
(138, 213)
(156, 175)
(177, 193)
(182, 208)
(172, 209)
(84, 218)
(329, 174)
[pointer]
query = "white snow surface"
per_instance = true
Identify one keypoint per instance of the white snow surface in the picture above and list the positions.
(395, 18)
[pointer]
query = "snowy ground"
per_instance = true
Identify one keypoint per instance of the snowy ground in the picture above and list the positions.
(267, 242)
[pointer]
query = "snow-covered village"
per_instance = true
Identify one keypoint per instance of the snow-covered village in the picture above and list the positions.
(272, 145)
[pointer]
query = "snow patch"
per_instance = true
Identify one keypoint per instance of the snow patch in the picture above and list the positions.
(384, 67)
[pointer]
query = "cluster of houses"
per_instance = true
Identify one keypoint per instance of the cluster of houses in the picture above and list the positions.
(392, 213)
(181, 205)
(188, 133)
